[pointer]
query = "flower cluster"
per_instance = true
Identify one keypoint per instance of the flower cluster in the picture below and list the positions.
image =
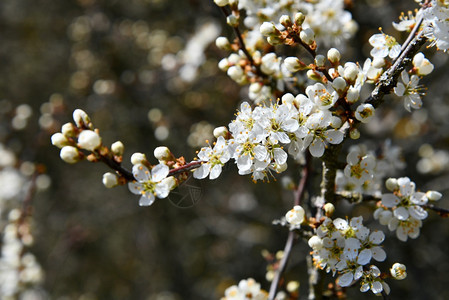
(259, 135)
(436, 19)
(366, 170)
(347, 248)
(245, 290)
(403, 209)
(19, 269)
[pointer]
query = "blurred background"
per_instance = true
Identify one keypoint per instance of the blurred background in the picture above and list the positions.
(146, 73)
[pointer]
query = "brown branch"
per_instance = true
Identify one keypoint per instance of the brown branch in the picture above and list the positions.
(299, 193)
(185, 168)
(441, 211)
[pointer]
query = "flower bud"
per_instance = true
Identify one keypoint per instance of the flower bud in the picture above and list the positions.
(138, 158)
(353, 95)
(232, 20)
(329, 209)
(255, 87)
(221, 131)
(354, 134)
(311, 74)
(296, 215)
(299, 18)
(221, 3)
(236, 73)
(110, 180)
(274, 40)
(267, 29)
(292, 64)
(70, 154)
(118, 148)
(292, 286)
(285, 21)
(223, 64)
(222, 43)
(315, 242)
(333, 55)
(162, 153)
(339, 84)
(59, 140)
(307, 36)
(81, 118)
(320, 60)
(89, 140)
(392, 184)
(433, 195)
(398, 271)
(68, 129)
(350, 72)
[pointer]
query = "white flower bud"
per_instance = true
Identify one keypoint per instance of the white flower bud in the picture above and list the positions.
(162, 153)
(138, 158)
(364, 112)
(232, 20)
(274, 40)
(221, 3)
(320, 60)
(70, 154)
(350, 72)
(89, 140)
(223, 64)
(353, 95)
(433, 195)
(312, 75)
(170, 182)
(118, 148)
(220, 131)
(315, 243)
(392, 184)
(307, 36)
(285, 21)
(236, 73)
(267, 28)
(68, 129)
(333, 55)
(222, 43)
(292, 64)
(81, 118)
(296, 215)
(293, 286)
(234, 58)
(339, 84)
(398, 271)
(329, 209)
(110, 180)
(255, 87)
(299, 18)
(354, 134)
(59, 140)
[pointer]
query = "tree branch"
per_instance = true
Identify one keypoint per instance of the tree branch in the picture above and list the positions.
(305, 175)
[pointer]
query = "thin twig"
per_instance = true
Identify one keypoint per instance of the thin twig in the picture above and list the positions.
(305, 175)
